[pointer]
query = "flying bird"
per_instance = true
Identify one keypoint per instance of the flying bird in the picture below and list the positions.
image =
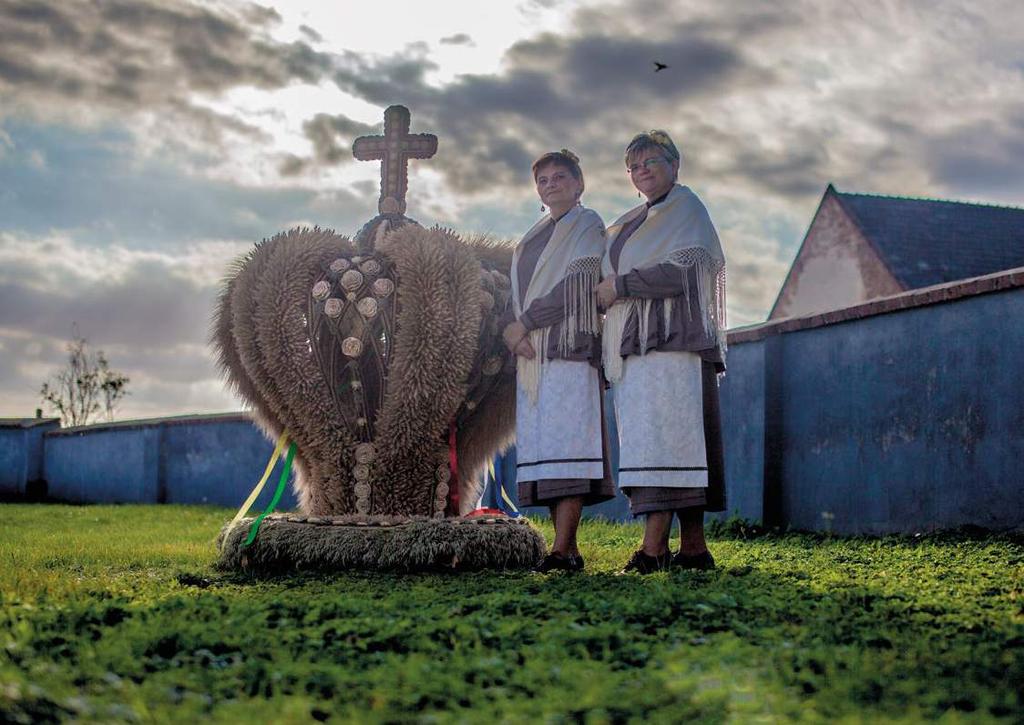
(659, 66)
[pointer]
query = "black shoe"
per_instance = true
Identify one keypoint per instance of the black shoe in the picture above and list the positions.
(642, 563)
(702, 561)
(559, 562)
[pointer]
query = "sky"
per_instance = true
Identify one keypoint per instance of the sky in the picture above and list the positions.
(145, 144)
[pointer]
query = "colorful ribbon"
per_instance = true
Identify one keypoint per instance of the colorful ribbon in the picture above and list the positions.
(258, 489)
(493, 474)
(281, 483)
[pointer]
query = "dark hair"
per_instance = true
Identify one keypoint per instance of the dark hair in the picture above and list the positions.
(565, 158)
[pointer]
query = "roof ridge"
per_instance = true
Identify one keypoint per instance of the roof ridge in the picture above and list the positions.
(928, 198)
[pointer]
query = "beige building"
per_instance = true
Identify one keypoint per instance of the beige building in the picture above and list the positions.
(862, 246)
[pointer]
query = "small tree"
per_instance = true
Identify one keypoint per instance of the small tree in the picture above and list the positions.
(85, 387)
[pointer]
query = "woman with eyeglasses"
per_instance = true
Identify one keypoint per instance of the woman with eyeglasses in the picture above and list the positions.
(560, 461)
(664, 341)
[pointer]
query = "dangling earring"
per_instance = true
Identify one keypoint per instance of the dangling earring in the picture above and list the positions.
(638, 195)
(542, 209)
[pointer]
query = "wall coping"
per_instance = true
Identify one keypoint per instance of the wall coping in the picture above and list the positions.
(189, 419)
(27, 422)
(936, 294)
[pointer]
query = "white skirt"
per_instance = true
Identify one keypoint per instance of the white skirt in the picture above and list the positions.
(659, 413)
(560, 436)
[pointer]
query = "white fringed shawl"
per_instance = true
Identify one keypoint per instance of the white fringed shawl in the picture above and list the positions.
(574, 254)
(677, 231)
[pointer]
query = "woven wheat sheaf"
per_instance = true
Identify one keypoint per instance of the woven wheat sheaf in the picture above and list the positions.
(368, 359)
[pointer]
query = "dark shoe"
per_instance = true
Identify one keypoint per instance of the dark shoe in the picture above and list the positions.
(642, 563)
(559, 562)
(703, 561)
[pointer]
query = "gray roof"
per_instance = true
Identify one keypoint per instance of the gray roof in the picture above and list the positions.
(930, 241)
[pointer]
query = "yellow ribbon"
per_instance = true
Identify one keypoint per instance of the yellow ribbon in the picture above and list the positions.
(504, 494)
(281, 443)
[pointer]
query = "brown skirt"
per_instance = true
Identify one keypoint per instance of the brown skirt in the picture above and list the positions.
(548, 491)
(647, 499)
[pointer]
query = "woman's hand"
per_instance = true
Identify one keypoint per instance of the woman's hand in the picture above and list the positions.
(525, 349)
(513, 334)
(606, 294)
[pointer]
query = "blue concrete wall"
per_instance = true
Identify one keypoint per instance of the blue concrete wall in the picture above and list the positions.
(742, 394)
(202, 459)
(21, 444)
(13, 460)
(908, 421)
(218, 463)
(105, 465)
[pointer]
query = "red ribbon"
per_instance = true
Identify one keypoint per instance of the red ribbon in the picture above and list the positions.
(453, 463)
(487, 512)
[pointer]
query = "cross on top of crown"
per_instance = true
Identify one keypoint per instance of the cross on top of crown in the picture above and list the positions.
(394, 149)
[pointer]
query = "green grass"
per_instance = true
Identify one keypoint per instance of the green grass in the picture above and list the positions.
(115, 614)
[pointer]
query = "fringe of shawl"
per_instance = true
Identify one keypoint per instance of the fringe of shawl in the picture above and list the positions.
(528, 371)
(580, 318)
(580, 302)
(710, 305)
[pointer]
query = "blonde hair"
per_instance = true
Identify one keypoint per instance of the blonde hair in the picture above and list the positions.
(656, 140)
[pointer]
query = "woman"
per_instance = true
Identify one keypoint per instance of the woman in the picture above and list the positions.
(559, 442)
(664, 341)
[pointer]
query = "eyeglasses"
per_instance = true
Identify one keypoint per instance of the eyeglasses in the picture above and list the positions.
(646, 163)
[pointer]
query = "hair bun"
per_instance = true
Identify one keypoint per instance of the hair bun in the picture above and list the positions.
(570, 155)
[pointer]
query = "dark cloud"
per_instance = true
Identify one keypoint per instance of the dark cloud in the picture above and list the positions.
(331, 137)
(795, 171)
(981, 158)
(457, 39)
(550, 87)
(593, 68)
(311, 34)
(142, 56)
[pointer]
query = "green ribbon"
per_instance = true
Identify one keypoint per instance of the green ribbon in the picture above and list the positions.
(281, 483)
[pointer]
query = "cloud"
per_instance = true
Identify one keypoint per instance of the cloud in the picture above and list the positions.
(768, 102)
(92, 185)
(86, 61)
(311, 34)
(147, 310)
(985, 157)
(457, 39)
(331, 137)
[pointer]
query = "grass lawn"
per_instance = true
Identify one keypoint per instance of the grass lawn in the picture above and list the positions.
(114, 613)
